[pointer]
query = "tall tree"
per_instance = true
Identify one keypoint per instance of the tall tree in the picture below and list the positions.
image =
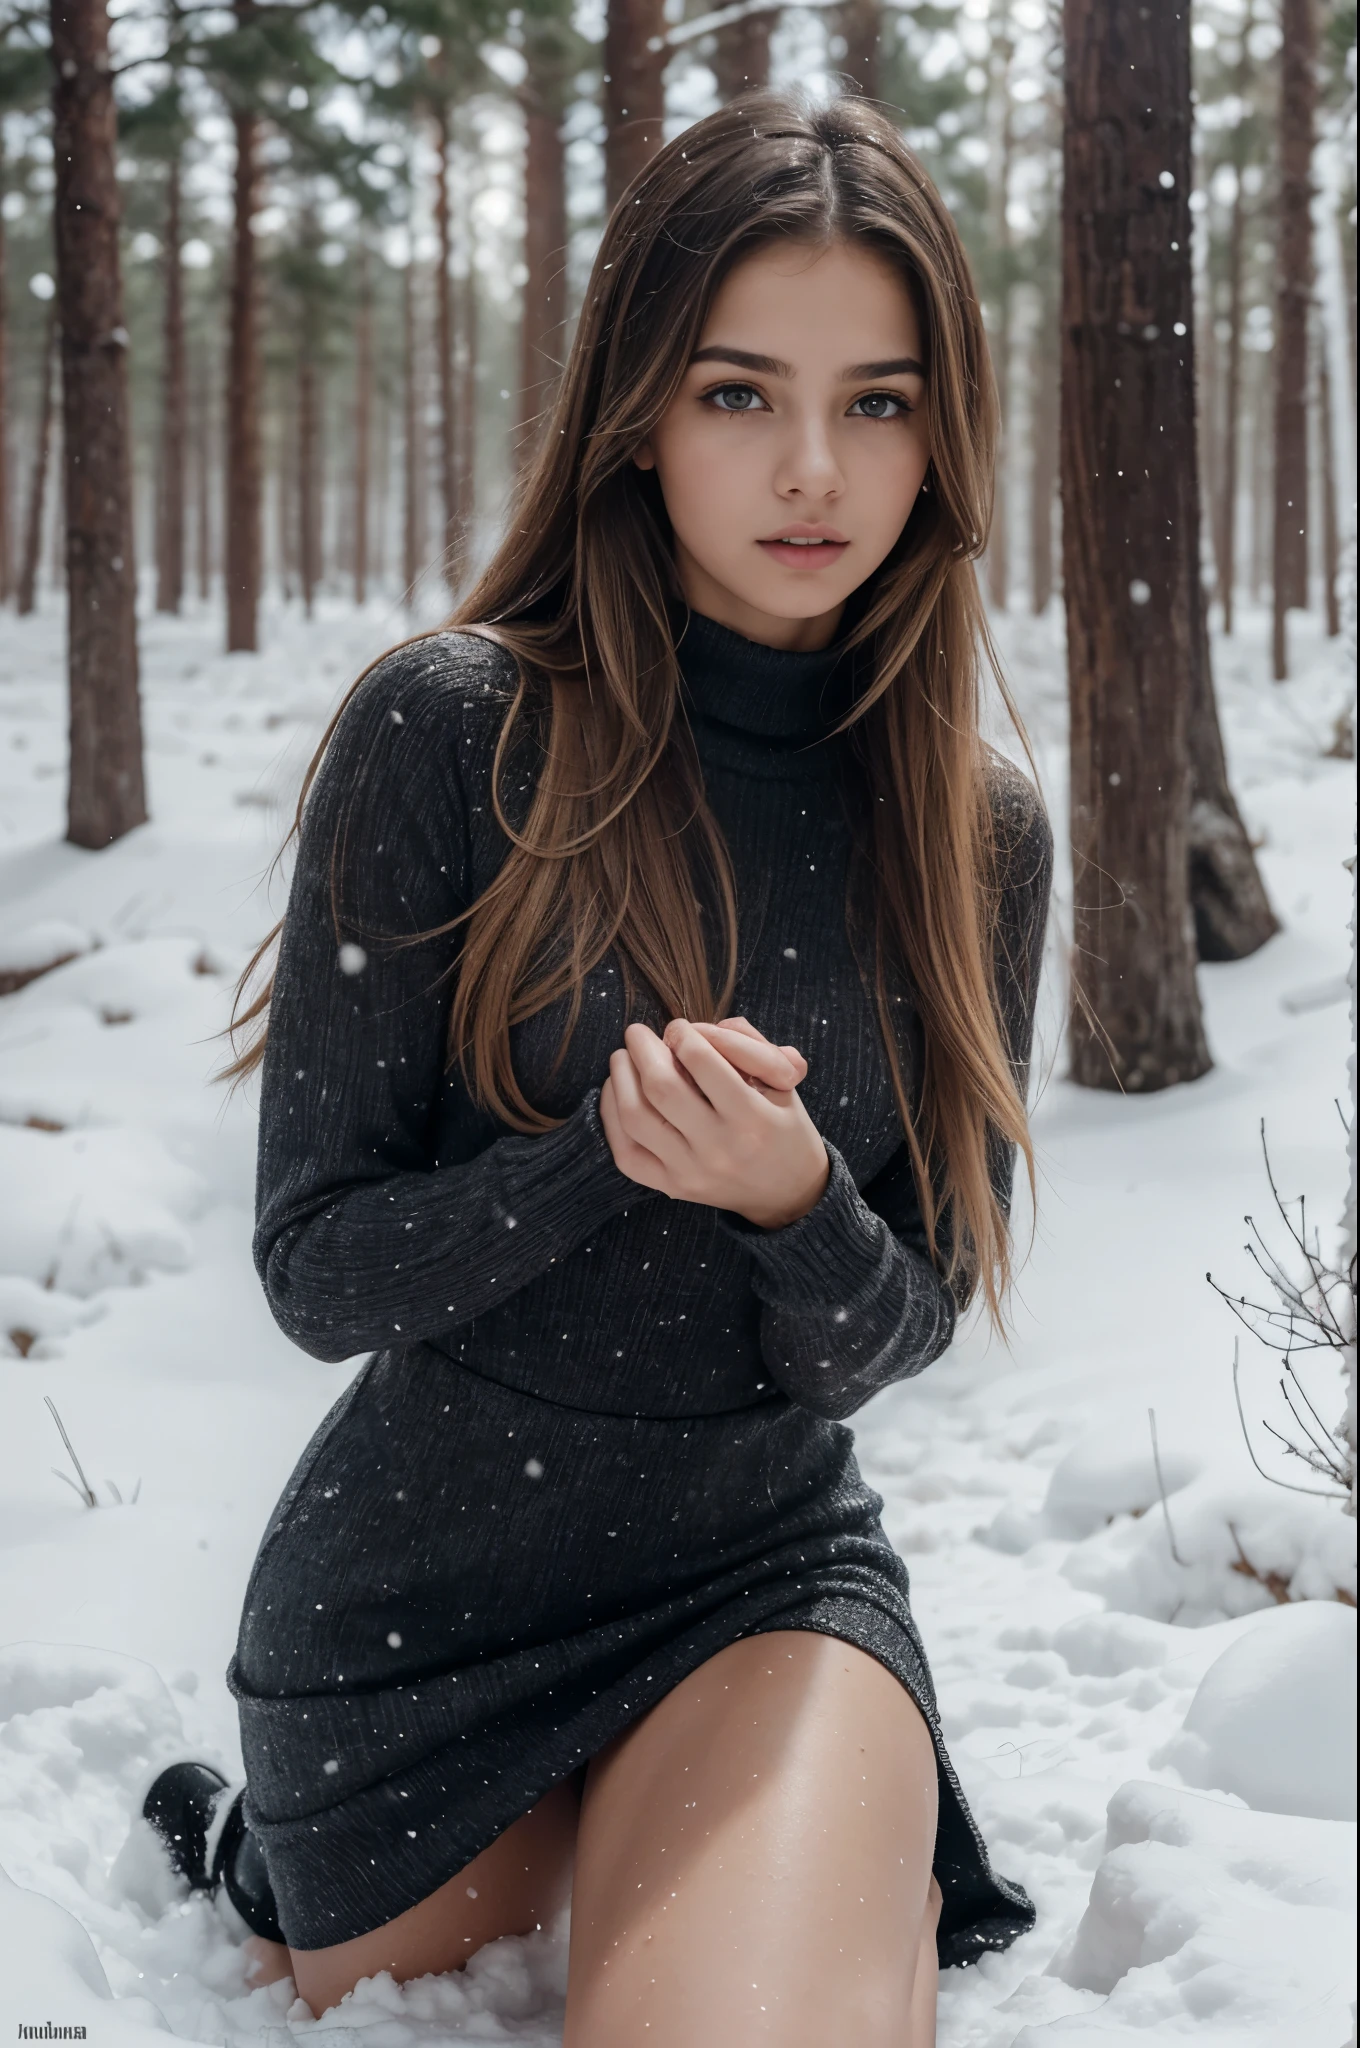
(1002, 55)
(363, 424)
(106, 795)
(242, 424)
(174, 446)
(1225, 529)
(1130, 541)
(5, 545)
(861, 24)
(635, 56)
(741, 52)
(553, 55)
(26, 589)
(1294, 288)
(23, 87)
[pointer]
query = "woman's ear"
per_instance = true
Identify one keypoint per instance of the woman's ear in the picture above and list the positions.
(643, 456)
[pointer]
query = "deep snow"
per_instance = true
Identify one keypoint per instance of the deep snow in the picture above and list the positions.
(1163, 1754)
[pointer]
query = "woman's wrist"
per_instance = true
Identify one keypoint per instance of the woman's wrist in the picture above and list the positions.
(796, 1208)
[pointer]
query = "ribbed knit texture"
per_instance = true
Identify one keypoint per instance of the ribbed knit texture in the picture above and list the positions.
(596, 1442)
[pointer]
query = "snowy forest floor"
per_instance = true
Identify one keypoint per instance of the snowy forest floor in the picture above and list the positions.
(1159, 1750)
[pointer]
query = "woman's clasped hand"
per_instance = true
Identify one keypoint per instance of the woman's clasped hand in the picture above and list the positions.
(711, 1113)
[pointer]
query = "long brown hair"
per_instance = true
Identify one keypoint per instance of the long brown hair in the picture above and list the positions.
(618, 844)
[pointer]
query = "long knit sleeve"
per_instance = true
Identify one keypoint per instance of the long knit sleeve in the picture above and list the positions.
(851, 1298)
(365, 1236)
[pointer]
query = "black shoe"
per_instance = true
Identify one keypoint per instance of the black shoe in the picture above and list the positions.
(182, 1806)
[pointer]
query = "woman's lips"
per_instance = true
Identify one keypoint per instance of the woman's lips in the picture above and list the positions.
(804, 554)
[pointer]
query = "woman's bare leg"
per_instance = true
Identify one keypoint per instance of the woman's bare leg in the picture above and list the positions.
(753, 1861)
(521, 1882)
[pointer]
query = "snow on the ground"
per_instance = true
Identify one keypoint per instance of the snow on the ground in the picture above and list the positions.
(1162, 1753)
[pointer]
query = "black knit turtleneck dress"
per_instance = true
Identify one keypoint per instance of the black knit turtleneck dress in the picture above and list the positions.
(599, 1435)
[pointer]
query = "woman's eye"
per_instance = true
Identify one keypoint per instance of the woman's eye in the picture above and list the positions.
(881, 405)
(736, 398)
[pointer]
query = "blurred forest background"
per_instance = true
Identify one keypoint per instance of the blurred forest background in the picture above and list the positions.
(353, 238)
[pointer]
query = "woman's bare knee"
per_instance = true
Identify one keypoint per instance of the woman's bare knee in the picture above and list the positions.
(764, 1834)
(520, 1882)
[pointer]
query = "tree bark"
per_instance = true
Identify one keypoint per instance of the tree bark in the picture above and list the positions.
(1293, 298)
(1044, 417)
(634, 91)
(170, 481)
(1225, 526)
(543, 99)
(861, 23)
(413, 467)
(363, 429)
(1232, 912)
(467, 407)
(998, 543)
(444, 342)
(244, 455)
(106, 795)
(27, 587)
(309, 530)
(1130, 542)
(203, 480)
(5, 540)
(741, 54)
(1331, 538)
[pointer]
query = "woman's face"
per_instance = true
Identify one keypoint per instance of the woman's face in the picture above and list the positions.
(792, 454)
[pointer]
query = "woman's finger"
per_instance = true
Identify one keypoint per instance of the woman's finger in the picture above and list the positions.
(667, 1087)
(643, 1118)
(630, 1157)
(755, 1057)
(714, 1074)
(740, 1039)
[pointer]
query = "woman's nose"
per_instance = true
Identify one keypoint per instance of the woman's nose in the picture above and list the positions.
(809, 466)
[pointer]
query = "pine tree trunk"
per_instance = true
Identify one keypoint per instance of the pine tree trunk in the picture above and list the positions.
(1232, 912)
(1229, 485)
(363, 428)
(1294, 287)
(1226, 524)
(1044, 413)
(309, 566)
(170, 481)
(467, 409)
(861, 23)
(1260, 477)
(244, 455)
(998, 542)
(543, 99)
(413, 466)
(27, 587)
(1331, 538)
(203, 479)
(1130, 542)
(444, 340)
(634, 91)
(741, 55)
(106, 795)
(6, 548)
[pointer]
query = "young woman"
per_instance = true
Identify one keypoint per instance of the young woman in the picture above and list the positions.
(581, 1568)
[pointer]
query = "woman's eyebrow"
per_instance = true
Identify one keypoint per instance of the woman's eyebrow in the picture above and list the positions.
(895, 366)
(767, 366)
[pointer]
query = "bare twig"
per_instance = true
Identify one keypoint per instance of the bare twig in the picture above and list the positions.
(1316, 1492)
(1176, 1557)
(85, 1490)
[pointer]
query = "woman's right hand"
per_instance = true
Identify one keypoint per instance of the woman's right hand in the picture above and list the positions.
(735, 1037)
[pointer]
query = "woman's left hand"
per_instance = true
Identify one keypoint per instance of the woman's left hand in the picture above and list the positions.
(680, 1118)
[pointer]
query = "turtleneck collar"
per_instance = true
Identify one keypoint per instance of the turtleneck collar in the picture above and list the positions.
(765, 691)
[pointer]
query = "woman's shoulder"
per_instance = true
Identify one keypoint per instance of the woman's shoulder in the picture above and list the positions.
(1023, 835)
(436, 676)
